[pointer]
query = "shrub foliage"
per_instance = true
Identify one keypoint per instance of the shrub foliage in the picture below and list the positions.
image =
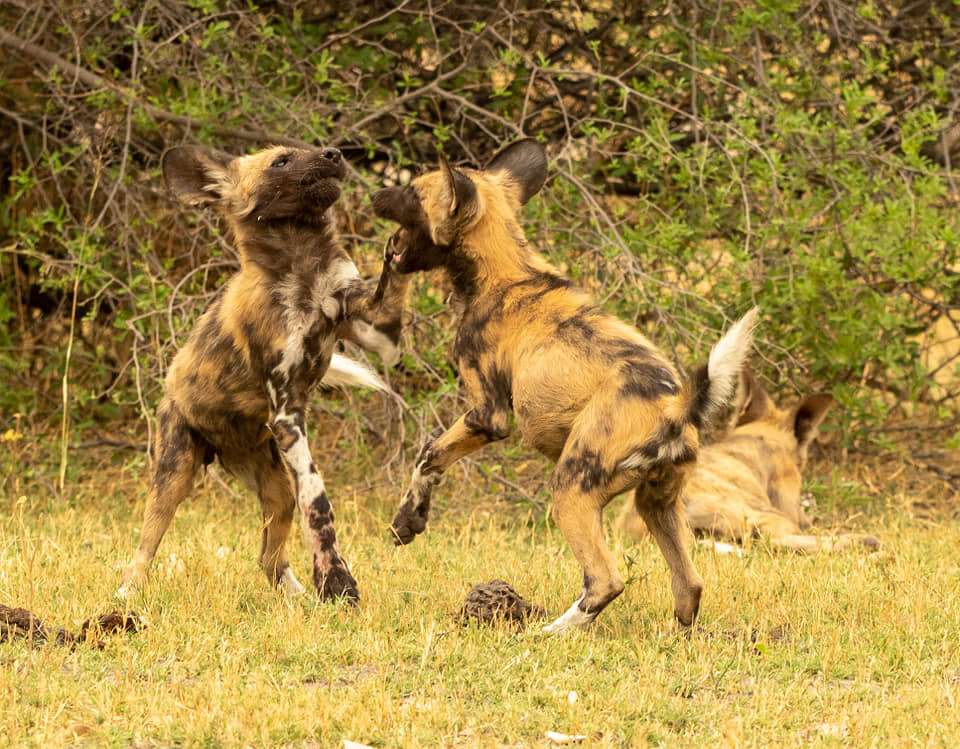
(705, 156)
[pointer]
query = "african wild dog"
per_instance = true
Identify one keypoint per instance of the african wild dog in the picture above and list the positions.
(238, 388)
(748, 483)
(588, 390)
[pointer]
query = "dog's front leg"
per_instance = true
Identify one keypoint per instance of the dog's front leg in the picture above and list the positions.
(378, 318)
(331, 576)
(471, 431)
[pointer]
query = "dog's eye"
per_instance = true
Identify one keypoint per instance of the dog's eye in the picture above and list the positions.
(280, 161)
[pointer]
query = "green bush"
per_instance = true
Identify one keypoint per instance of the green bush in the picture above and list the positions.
(705, 157)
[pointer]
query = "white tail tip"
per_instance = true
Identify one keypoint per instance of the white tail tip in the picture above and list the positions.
(345, 372)
(729, 356)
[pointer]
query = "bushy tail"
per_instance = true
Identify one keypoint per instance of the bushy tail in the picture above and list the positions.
(715, 384)
(345, 372)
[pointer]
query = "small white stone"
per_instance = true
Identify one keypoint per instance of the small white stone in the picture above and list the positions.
(572, 698)
(564, 738)
(832, 730)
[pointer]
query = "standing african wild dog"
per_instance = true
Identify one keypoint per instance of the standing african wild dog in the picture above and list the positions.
(588, 391)
(238, 388)
(748, 483)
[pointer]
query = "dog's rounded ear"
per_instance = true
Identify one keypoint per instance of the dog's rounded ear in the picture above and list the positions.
(194, 175)
(460, 187)
(397, 204)
(526, 163)
(808, 416)
(753, 403)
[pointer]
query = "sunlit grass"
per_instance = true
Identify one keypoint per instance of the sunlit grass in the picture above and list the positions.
(790, 650)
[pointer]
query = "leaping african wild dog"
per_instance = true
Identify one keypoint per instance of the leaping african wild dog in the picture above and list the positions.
(238, 388)
(588, 390)
(747, 484)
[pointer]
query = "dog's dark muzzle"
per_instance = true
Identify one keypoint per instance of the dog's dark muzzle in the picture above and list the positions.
(327, 164)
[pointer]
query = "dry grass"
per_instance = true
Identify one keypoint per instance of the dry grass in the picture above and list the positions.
(790, 650)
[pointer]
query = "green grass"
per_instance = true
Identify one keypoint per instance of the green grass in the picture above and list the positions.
(790, 650)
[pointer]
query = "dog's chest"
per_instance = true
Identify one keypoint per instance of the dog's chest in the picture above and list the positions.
(312, 305)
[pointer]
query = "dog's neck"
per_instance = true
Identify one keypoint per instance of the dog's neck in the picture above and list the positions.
(492, 256)
(279, 248)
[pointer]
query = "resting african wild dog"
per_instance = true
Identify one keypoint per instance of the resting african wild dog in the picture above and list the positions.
(238, 389)
(588, 391)
(748, 483)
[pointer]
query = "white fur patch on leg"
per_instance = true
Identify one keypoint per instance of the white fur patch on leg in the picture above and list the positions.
(572, 617)
(309, 483)
(289, 583)
(421, 487)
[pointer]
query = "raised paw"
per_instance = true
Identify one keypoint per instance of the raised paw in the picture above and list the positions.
(336, 583)
(409, 522)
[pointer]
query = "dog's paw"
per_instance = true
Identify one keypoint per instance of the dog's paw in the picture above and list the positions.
(289, 584)
(336, 584)
(130, 586)
(408, 523)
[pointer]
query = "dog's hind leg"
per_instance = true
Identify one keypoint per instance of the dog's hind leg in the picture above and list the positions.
(584, 481)
(579, 516)
(806, 544)
(658, 502)
(179, 455)
(277, 502)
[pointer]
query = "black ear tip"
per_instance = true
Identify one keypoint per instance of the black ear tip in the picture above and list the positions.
(178, 157)
(526, 160)
(170, 155)
(818, 402)
(827, 401)
(525, 149)
(536, 145)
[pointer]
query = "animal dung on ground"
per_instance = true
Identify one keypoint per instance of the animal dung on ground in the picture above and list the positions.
(16, 622)
(497, 601)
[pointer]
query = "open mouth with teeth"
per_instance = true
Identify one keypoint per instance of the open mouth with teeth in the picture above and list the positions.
(394, 254)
